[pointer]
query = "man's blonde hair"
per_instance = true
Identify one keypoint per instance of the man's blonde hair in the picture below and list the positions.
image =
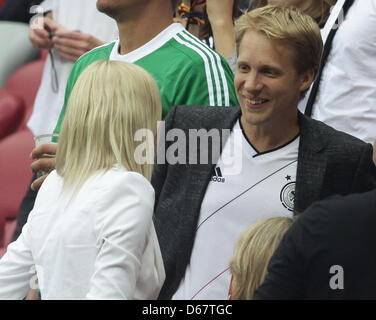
(108, 104)
(283, 23)
(252, 253)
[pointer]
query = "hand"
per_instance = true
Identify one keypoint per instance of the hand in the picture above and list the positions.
(73, 44)
(41, 163)
(38, 32)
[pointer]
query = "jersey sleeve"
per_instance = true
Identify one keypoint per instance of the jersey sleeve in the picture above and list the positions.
(205, 83)
(208, 84)
(195, 75)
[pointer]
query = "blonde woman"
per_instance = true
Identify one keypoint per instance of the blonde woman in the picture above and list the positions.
(252, 253)
(90, 233)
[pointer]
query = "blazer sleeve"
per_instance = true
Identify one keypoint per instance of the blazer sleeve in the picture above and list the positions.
(365, 175)
(161, 164)
(17, 270)
(123, 219)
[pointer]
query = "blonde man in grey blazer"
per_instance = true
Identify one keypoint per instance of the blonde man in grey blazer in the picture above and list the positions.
(287, 160)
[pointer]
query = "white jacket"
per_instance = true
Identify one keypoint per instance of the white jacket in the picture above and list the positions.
(102, 245)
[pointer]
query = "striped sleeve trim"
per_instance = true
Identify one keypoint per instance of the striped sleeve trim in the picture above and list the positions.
(207, 67)
(213, 66)
(215, 62)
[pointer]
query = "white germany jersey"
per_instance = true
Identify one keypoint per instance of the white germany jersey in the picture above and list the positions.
(264, 187)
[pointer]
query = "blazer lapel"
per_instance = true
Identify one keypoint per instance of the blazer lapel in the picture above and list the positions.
(200, 174)
(199, 178)
(193, 180)
(311, 164)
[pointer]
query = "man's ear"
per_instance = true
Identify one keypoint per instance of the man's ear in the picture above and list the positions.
(306, 79)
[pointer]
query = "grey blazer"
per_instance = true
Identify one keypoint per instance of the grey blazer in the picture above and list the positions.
(329, 162)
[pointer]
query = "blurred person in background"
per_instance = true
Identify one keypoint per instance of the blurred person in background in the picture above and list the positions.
(344, 93)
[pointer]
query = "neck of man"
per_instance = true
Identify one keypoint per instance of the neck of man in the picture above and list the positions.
(138, 27)
(267, 136)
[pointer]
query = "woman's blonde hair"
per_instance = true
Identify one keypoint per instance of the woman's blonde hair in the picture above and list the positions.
(287, 24)
(109, 103)
(252, 253)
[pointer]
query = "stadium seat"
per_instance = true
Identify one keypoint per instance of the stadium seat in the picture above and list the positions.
(16, 146)
(15, 176)
(11, 112)
(24, 83)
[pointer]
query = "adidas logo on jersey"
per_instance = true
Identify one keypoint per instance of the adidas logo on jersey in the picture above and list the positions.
(217, 175)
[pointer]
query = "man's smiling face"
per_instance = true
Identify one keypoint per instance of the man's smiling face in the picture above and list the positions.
(267, 84)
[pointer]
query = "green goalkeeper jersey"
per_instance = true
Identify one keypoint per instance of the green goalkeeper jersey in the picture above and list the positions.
(186, 70)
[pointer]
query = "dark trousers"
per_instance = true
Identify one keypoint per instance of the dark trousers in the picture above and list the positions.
(24, 210)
